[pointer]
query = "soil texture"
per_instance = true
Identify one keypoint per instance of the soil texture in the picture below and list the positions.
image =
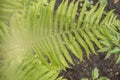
(107, 68)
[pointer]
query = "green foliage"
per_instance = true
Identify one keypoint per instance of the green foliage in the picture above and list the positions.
(36, 41)
(103, 2)
(113, 48)
(7, 7)
(95, 75)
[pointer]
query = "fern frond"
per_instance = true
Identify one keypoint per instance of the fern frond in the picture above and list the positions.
(8, 7)
(33, 69)
(52, 35)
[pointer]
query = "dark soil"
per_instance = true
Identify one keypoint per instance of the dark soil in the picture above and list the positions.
(114, 4)
(107, 68)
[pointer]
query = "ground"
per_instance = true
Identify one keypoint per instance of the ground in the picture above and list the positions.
(106, 68)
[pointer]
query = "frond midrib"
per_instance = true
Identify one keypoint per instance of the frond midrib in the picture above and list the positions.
(34, 41)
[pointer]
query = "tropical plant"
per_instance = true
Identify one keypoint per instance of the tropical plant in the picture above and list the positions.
(36, 40)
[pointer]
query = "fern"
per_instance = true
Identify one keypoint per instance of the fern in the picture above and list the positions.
(7, 8)
(48, 36)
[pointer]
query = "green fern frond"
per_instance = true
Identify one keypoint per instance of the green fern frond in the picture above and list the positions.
(8, 7)
(33, 69)
(51, 35)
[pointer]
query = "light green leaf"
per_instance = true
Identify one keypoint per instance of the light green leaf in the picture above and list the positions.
(95, 73)
(118, 59)
(103, 78)
(116, 50)
(84, 79)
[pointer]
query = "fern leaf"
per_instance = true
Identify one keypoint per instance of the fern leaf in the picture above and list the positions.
(49, 36)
